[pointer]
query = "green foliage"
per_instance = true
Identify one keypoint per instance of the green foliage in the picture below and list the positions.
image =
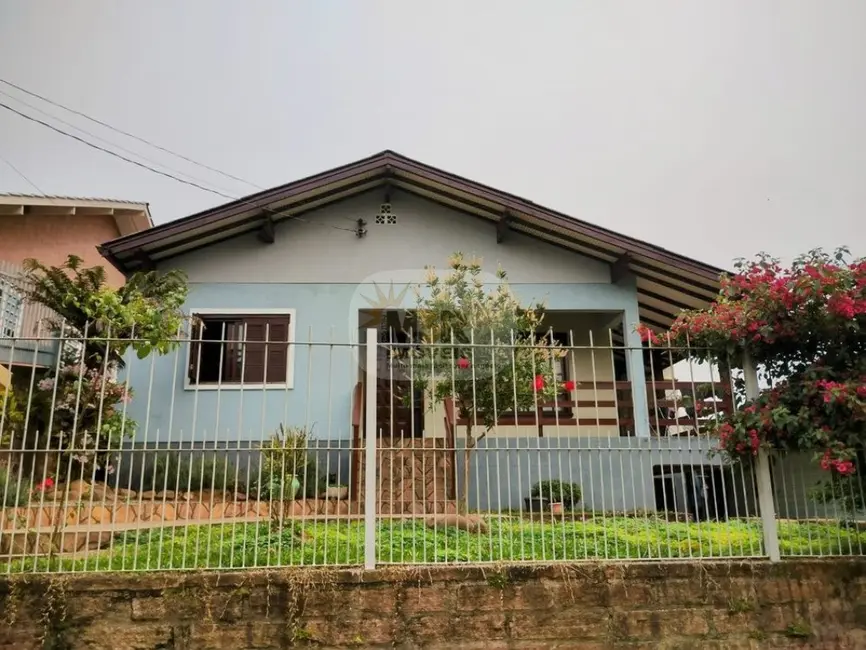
(78, 409)
(14, 495)
(555, 491)
(479, 348)
(145, 313)
(509, 539)
(81, 412)
(805, 326)
(798, 631)
(11, 414)
(285, 455)
(184, 471)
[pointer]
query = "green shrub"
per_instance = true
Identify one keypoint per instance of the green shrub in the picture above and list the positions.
(182, 471)
(284, 455)
(568, 494)
(13, 496)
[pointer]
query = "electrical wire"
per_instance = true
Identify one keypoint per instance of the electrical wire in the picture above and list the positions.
(22, 175)
(128, 134)
(101, 139)
(162, 173)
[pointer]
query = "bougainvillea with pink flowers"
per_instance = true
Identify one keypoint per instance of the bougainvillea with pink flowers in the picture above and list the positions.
(805, 327)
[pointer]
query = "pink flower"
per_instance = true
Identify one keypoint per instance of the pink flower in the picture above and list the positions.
(825, 461)
(539, 382)
(569, 385)
(844, 467)
(463, 363)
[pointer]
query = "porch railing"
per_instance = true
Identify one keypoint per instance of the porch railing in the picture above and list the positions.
(156, 468)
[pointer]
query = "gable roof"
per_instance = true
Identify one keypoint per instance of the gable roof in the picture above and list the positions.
(667, 282)
(130, 216)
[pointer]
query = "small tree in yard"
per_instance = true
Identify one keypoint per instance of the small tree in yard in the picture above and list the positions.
(479, 347)
(805, 326)
(76, 408)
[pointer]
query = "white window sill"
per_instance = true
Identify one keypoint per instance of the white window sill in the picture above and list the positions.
(234, 387)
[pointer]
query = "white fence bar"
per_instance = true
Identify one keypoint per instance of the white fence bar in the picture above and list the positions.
(370, 450)
(766, 503)
(356, 463)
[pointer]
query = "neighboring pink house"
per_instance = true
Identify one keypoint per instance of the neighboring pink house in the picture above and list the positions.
(49, 228)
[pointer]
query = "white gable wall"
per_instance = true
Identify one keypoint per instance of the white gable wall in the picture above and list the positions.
(426, 233)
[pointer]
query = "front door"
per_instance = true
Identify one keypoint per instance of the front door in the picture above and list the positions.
(399, 405)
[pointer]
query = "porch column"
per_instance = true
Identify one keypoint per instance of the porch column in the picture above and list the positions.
(636, 374)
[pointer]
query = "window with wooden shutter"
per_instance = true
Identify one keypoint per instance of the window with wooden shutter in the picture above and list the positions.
(240, 349)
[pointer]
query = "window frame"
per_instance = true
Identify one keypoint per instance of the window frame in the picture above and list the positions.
(8, 291)
(252, 312)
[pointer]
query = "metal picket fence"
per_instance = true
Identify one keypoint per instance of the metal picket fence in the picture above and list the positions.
(253, 445)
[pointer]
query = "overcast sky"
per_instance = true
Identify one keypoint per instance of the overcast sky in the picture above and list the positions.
(713, 128)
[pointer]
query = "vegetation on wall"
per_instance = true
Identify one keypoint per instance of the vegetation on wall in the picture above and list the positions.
(805, 326)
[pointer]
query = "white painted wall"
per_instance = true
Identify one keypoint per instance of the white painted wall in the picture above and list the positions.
(425, 234)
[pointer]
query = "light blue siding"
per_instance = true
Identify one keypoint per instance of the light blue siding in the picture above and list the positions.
(326, 274)
(324, 374)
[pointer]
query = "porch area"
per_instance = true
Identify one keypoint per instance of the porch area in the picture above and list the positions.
(612, 390)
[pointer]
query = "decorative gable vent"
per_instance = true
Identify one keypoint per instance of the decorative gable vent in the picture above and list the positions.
(385, 216)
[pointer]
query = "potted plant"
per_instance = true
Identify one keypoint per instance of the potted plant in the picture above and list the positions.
(535, 503)
(288, 468)
(560, 495)
(337, 491)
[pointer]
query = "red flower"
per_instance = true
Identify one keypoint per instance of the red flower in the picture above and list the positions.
(844, 467)
(539, 382)
(463, 363)
(825, 460)
(47, 484)
(569, 385)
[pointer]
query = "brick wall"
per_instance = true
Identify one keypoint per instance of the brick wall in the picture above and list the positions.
(796, 604)
(50, 238)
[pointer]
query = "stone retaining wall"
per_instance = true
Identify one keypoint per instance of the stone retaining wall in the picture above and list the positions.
(84, 513)
(713, 605)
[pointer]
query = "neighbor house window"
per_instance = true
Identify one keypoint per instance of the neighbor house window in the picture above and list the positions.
(11, 306)
(240, 349)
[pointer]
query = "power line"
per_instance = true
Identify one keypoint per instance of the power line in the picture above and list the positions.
(162, 173)
(129, 135)
(101, 139)
(22, 175)
(113, 153)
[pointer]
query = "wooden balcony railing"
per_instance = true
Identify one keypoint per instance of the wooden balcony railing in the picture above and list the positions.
(671, 406)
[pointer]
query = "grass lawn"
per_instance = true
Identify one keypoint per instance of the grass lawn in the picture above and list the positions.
(241, 545)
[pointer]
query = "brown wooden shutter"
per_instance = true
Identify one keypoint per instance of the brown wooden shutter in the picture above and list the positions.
(194, 352)
(278, 348)
(275, 347)
(254, 351)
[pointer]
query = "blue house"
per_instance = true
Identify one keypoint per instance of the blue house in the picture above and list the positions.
(302, 270)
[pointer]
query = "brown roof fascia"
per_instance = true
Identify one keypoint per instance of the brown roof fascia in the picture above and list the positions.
(389, 161)
(258, 200)
(509, 201)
